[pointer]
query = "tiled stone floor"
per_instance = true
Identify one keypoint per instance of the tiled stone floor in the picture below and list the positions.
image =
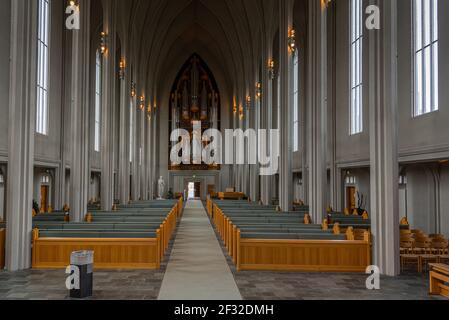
(108, 285)
(138, 285)
(50, 285)
(255, 285)
(307, 286)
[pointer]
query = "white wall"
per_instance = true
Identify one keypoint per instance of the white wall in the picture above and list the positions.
(422, 138)
(427, 134)
(5, 34)
(421, 199)
(427, 197)
(94, 187)
(444, 202)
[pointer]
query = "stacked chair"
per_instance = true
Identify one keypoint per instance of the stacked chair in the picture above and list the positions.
(419, 249)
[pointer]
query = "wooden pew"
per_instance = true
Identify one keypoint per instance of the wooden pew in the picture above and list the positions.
(117, 253)
(439, 279)
(209, 206)
(349, 255)
(110, 253)
(231, 195)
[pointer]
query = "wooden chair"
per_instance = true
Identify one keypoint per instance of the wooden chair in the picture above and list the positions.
(426, 256)
(419, 233)
(442, 250)
(437, 237)
(409, 257)
(423, 244)
(439, 246)
(407, 237)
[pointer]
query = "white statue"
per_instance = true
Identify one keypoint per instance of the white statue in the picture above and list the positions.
(161, 188)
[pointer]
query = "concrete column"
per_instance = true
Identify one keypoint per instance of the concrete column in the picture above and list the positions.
(332, 107)
(22, 119)
(65, 125)
(254, 124)
(137, 144)
(383, 111)
(148, 145)
(239, 169)
(152, 158)
(155, 148)
(155, 158)
(107, 110)
(143, 145)
(233, 167)
(286, 99)
(79, 171)
(124, 166)
(134, 151)
(317, 109)
(246, 167)
(266, 111)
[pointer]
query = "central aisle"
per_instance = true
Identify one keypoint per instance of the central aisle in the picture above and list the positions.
(197, 269)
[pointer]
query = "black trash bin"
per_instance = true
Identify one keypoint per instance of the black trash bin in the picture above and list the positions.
(84, 261)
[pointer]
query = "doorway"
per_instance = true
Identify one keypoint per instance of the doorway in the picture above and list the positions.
(2, 196)
(197, 190)
(44, 198)
(191, 190)
(194, 190)
(350, 201)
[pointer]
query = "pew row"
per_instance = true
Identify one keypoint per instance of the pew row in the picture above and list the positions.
(284, 242)
(231, 195)
(110, 253)
(139, 245)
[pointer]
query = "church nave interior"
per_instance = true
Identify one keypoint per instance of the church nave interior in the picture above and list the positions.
(225, 150)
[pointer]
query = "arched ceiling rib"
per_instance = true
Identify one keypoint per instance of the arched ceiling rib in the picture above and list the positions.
(230, 31)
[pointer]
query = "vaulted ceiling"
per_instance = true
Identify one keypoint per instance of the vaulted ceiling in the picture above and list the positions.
(228, 34)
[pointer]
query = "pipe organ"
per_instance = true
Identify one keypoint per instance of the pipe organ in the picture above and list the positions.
(194, 97)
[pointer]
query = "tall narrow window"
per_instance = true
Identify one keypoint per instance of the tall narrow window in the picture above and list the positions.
(296, 102)
(426, 56)
(356, 114)
(43, 39)
(97, 100)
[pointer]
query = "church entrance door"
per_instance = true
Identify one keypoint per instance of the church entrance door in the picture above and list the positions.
(44, 198)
